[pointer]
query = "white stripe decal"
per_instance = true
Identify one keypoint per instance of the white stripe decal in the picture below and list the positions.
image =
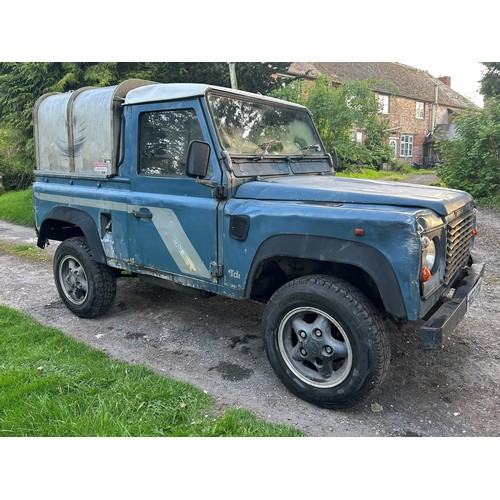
(82, 202)
(165, 221)
(177, 242)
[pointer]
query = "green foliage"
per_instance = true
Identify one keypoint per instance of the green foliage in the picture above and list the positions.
(21, 84)
(16, 171)
(339, 110)
(472, 161)
(490, 82)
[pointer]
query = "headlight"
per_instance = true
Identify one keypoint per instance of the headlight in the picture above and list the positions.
(428, 253)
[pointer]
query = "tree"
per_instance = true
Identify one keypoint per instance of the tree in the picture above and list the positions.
(337, 111)
(472, 161)
(490, 82)
(22, 83)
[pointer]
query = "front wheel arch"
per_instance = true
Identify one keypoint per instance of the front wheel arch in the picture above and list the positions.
(326, 252)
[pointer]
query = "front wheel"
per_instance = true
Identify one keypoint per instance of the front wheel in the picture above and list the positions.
(325, 341)
(87, 287)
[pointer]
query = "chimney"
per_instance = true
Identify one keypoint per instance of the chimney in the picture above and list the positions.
(446, 80)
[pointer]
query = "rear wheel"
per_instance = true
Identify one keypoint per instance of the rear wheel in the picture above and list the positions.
(325, 341)
(87, 287)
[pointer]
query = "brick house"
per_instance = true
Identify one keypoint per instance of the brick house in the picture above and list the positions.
(419, 107)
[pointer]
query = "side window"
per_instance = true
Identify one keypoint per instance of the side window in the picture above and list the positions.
(164, 141)
(420, 110)
(383, 103)
(406, 146)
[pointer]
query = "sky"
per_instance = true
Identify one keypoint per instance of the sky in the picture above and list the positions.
(444, 38)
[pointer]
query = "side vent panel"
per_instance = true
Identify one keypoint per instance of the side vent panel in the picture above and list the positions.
(239, 226)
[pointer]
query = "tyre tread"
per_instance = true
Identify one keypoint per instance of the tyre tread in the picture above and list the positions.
(104, 280)
(366, 313)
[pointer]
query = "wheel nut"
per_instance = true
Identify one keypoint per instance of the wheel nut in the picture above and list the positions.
(328, 349)
(303, 352)
(318, 333)
(302, 334)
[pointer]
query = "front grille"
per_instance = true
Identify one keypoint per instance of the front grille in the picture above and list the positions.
(458, 244)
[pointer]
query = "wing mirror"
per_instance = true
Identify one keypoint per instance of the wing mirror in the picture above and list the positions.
(198, 159)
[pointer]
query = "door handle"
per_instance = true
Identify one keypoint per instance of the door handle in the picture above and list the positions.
(143, 213)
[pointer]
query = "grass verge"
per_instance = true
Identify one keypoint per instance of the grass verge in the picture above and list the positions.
(53, 385)
(17, 207)
(25, 251)
(399, 176)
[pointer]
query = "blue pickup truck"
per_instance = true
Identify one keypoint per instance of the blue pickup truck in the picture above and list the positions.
(217, 191)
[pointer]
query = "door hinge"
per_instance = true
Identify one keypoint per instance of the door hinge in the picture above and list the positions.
(221, 192)
(216, 270)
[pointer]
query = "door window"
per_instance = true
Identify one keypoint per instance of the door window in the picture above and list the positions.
(164, 140)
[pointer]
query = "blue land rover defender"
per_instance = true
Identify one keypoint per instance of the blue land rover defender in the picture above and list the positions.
(224, 192)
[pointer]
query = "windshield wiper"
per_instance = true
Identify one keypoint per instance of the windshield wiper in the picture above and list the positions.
(265, 147)
(317, 147)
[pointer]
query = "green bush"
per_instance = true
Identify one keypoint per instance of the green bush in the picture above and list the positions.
(16, 170)
(471, 162)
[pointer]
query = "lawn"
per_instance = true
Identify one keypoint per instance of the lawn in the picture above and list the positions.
(53, 385)
(17, 207)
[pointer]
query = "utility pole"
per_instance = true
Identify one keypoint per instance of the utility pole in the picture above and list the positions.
(232, 75)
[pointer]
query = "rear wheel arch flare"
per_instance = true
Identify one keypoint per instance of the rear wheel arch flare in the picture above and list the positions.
(83, 224)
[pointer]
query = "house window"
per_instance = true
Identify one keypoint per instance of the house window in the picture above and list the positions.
(420, 110)
(357, 137)
(406, 146)
(383, 101)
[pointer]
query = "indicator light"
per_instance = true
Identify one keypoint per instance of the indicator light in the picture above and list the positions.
(474, 232)
(359, 231)
(426, 275)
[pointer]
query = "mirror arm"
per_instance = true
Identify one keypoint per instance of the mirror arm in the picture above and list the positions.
(210, 184)
(220, 191)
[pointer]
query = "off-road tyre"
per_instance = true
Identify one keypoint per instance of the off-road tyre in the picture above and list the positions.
(87, 287)
(325, 341)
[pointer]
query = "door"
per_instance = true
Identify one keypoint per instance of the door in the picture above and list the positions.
(172, 218)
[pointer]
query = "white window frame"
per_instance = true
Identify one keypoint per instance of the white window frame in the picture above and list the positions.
(406, 146)
(393, 143)
(383, 101)
(420, 110)
(357, 137)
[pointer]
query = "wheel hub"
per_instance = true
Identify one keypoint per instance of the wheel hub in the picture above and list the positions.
(74, 280)
(315, 347)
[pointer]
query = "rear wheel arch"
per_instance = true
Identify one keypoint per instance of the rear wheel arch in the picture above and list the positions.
(62, 223)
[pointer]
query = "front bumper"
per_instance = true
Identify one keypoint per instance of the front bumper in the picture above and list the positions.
(444, 321)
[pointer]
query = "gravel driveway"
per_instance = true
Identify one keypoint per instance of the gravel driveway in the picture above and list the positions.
(216, 345)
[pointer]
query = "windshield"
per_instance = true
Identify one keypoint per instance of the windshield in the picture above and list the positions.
(263, 129)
